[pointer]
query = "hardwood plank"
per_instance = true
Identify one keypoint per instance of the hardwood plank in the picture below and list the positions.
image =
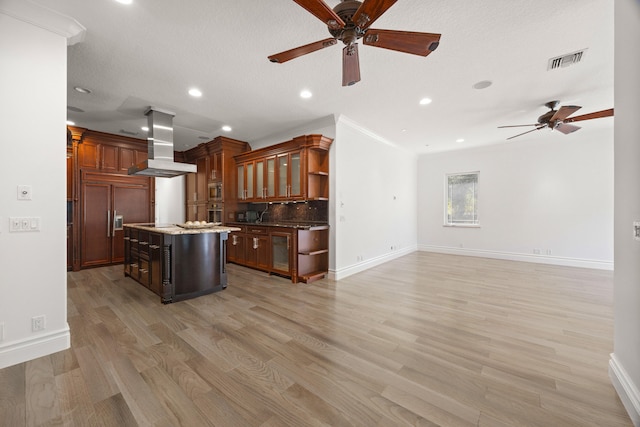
(112, 411)
(176, 403)
(13, 405)
(41, 396)
(76, 406)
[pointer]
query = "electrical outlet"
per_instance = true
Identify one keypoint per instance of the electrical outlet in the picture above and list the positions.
(537, 251)
(38, 323)
(1, 331)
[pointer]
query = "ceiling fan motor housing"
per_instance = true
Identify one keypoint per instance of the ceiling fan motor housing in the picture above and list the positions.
(351, 32)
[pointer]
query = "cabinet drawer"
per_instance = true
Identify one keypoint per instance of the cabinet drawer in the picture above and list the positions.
(143, 276)
(257, 230)
(143, 243)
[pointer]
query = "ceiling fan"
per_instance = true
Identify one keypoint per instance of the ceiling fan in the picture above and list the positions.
(559, 119)
(348, 22)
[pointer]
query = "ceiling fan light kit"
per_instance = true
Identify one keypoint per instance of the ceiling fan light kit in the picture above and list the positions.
(349, 22)
(559, 119)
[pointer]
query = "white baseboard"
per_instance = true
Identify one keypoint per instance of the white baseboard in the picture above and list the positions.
(627, 390)
(513, 256)
(32, 348)
(365, 265)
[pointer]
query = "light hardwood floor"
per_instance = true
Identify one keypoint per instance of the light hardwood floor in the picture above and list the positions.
(424, 340)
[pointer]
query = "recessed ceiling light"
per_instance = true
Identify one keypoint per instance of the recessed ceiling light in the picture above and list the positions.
(425, 101)
(195, 92)
(81, 89)
(483, 84)
(460, 140)
(70, 123)
(144, 128)
(124, 1)
(404, 130)
(306, 94)
(226, 128)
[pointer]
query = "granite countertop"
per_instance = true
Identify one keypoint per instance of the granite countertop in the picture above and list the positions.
(175, 229)
(298, 225)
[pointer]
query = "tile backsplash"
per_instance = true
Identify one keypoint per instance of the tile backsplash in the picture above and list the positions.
(302, 212)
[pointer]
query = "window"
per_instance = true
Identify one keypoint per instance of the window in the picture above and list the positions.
(462, 199)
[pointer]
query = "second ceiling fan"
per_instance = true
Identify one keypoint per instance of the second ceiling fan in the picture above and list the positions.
(350, 21)
(559, 119)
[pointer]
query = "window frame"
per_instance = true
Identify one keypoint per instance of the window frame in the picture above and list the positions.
(475, 224)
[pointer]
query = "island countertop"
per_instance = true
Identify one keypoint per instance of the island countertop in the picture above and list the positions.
(176, 229)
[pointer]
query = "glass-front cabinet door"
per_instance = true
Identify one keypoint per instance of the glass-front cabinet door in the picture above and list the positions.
(260, 188)
(271, 177)
(283, 175)
(250, 181)
(295, 181)
(290, 175)
(280, 252)
(241, 185)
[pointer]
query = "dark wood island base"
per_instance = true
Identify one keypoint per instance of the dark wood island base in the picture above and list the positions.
(174, 262)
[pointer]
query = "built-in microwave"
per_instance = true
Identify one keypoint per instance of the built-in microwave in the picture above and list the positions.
(215, 212)
(215, 191)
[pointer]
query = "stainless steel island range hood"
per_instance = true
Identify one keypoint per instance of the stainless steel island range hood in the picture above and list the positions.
(160, 162)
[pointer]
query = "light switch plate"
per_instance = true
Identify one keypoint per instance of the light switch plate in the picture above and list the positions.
(636, 230)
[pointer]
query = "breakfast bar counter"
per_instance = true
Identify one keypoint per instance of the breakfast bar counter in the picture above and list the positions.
(177, 262)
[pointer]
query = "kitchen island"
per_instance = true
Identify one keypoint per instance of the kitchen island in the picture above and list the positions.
(175, 262)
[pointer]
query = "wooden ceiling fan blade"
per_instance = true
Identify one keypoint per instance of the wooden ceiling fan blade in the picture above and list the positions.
(596, 115)
(566, 129)
(564, 112)
(302, 50)
(518, 126)
(529, 131)
(403, 41)
(350, 65)
(369, 11)
(323, 12)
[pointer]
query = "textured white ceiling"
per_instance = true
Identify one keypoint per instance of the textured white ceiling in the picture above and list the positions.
(153, 51)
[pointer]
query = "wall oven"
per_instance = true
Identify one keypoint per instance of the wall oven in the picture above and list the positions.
(215, 191)
(215, 212)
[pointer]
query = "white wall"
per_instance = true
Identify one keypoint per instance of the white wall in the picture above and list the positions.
(170, 200)
(553, 193)
(33, 83)
(373, 200)
(624, 365)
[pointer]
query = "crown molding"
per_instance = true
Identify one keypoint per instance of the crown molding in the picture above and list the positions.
(45, 18)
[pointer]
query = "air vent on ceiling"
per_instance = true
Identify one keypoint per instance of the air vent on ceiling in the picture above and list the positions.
(128, 132)
(565, 60)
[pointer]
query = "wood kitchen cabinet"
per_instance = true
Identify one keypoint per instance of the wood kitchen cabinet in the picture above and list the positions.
(257, 248)
(103, 197)
(312, 254)
(289, 176)
(282, 251)
(216, 179)
(301, 253)
(100, 152)
(99, 187)
(236, 247)
(291, 171)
